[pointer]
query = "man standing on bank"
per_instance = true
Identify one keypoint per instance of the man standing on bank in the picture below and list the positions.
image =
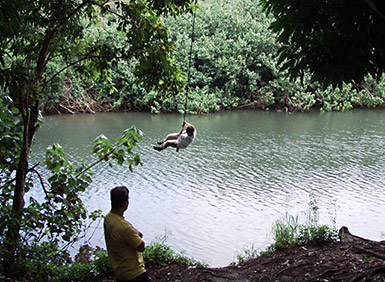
(124, 242)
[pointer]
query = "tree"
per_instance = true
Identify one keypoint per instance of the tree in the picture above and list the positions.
(337, 41)
(36, 34)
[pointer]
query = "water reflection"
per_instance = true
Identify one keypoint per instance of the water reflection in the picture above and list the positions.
(243, 172)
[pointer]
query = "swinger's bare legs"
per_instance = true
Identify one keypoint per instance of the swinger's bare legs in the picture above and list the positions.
(169, 141)
(172, 136)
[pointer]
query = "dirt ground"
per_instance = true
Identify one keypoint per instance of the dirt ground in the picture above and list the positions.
(350, 259)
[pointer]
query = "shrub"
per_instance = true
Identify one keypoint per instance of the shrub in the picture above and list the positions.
(289, 232)
(46, 262)
(158, 253)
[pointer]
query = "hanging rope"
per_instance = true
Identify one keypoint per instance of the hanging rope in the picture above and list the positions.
(189, 65)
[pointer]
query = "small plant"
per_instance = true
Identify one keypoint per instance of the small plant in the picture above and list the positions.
(289, 232)
(285, 231)
(247, 254)
(367, 260)
(316, 235)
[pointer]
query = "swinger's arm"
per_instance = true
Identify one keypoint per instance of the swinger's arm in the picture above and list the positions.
(181, 130)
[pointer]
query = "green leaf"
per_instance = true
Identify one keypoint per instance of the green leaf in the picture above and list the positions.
(15, 110)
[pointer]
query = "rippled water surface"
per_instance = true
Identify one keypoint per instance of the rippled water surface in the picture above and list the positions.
(244, 171)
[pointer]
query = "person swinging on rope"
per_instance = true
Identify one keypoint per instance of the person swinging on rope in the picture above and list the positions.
(179, 140)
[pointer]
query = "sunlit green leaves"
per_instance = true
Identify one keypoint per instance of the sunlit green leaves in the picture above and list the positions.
(102, 146)
(55, 158)
(63, 212)
(121, 151)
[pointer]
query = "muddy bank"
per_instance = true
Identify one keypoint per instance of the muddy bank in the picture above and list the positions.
(350, 259)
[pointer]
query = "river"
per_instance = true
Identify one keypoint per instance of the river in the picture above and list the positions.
(244, 171)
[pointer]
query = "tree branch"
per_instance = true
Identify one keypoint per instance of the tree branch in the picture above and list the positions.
(101, 159)
(95, 163)
(101, 6)
(42, 57)
(5, 52)
(13, 179)
(68, 66)
(48, 37)
(40, 178)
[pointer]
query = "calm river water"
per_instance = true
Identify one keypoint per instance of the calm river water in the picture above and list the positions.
(244, 171)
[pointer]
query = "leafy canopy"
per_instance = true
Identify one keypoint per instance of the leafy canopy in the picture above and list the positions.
(36, 34)
(337, 41)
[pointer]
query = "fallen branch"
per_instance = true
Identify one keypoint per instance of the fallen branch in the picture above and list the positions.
(251, 104)
(65, 108)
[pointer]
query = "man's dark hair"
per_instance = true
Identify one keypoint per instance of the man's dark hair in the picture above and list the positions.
(190, 130)
(119, 195)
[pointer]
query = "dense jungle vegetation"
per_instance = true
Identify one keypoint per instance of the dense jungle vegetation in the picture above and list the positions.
(234, 66)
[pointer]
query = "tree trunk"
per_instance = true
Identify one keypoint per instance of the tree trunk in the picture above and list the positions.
(13, 233)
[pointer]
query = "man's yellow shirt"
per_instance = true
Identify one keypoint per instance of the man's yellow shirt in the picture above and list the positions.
(122, 241)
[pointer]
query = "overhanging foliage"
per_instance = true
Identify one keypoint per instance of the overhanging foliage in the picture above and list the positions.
(337, 41)
(39, 40)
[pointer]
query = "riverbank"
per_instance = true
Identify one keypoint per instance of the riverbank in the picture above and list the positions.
(350, 259)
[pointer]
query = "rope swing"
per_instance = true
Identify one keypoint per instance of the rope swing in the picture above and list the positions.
(182, 139)
(189, 65)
